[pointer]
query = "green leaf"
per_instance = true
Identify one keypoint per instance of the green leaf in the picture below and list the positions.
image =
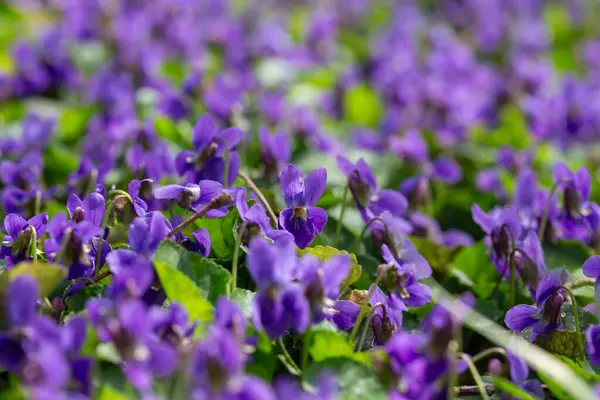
(475, 263)
(243, 298)
(355, 380)
(572, 255)
(77, 301)
(47, 276)
(211, 279)
(362, 106)
(512, 130)
(327, 342)
(73, 122)
(508, 387)
(587, 374)
(181, 289)
(326, 252)
(562, 343)
(221, 234)
(438, 256)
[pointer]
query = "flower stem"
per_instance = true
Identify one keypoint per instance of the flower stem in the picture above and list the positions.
(217, 202)
(107, 216)
(363, 335)
(288, 357)
(236, 252)
(37, 207)
(476, 377)
(338, 229)
(576, 320)
(33, 244)
(512, 281)
(305, 346)
(363, 310)
(544, 221)
(120, 193)
(453, 350)
(359, 238)
(489, 352)
(250, 183)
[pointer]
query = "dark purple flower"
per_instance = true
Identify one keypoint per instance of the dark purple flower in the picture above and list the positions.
(325, 389)
(387, 318)
(207, 162)
(141, 193)
(402, 279)
(519, 372)
(16, 245)
(322, 282)
(302, 219)
(276, 150)
(280, 305)
(92, 209)
(192, 196)
(545, 316)
(593, 344)
(257, 221)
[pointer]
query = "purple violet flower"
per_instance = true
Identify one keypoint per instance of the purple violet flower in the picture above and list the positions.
(302, 219)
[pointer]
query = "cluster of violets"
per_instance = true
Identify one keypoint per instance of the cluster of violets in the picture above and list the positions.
(134, 190)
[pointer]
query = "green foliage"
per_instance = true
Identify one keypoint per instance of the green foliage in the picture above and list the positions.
(181, 289)
(362, 106)
(438, 256)
(76, 302)
(512, 131)
(356, 380)
(209, 277)
(329, 343)
(508, 387)
(243, 298)
(475, 266)
(326, 252)
(48, 276)
(222, 234)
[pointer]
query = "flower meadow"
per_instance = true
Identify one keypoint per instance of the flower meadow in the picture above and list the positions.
(277, 199)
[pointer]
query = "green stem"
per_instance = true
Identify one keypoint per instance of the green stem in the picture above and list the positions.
(91, 186)
(217, 202)
(261, 197)
(236, 252)
(582, 283)
(107, 215)
(121, 193)
(576, 320)
(338, 229)
(453, 350)
(363, 335)
(363, 311)
(33, 244)
(37, 208)
(288, 357)
(226, 158)
(544, 221)
(305, 347)
(489, 352)
(360, 237)
(476, 377)
(513, 281)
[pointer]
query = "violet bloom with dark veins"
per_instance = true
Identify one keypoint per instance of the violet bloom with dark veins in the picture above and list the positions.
(302, 219)
(280, 305)
(402, 280)
(276, 150)
(17, 243)
(207, 161)
(199, 242)
(387, 318)
(194, 196)
(141, 192)
(576, 189)
(370, 199)
(503, 228)
(545, 316)
(257, 221)
(593, 345)
(92, 209)
(322, 282)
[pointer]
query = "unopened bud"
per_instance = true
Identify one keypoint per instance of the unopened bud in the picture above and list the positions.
(495, 367)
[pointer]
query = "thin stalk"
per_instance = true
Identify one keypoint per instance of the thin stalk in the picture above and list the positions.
(37, 207)
(107, 216)
(33, 244)
(363, 310)
(582, 283)
(288, 357)
(512, 279)
(226, 158)
(366, 327)
(236, 252)
(217, 202)
(476, 377)
(261, 197)
(305, 346)
(91, 186)
(121, 193)
(359, 238)
(338, 229)
(489, 352)
(576, 320)
(453, 350)
(544, 221)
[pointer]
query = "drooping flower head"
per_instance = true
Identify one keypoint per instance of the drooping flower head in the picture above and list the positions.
(302, 219)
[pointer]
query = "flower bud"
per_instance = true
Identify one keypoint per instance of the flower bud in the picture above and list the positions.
(495, 367)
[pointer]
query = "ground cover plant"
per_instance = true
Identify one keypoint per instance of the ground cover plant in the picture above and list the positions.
(343, 199)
